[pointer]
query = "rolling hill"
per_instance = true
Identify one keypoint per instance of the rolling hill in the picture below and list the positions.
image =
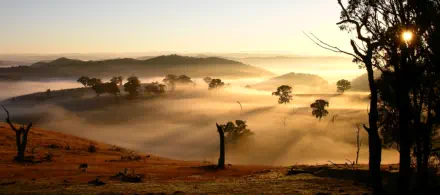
(292, 79)
(157, 66)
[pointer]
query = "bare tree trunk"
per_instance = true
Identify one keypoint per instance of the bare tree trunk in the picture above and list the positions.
(358, 144)
(374, 140)
(403, 101)
(221, 160)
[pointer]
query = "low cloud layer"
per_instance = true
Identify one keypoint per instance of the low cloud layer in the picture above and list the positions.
(181, 124)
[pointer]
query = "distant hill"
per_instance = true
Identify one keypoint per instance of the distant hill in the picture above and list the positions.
(361, 83)
(292, 79)
(156, 66)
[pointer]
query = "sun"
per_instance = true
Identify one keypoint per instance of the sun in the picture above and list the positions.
(407, 36)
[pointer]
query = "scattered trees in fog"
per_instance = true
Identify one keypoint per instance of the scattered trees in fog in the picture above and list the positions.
(132, 86)
(83, 80)
(285, 94)
(319, 110)
(216, 84)
(343, 85)
(171, 80)
(118, 80)
(21, 136)
(155, 88)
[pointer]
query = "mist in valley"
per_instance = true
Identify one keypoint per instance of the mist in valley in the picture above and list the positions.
(181, 124)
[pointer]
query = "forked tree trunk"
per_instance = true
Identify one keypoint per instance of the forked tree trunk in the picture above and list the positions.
(21, 135)
(221, 160)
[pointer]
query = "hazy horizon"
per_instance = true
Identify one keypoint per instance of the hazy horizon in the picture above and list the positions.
(194, 26)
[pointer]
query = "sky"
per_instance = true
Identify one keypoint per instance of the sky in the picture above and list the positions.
(241, 26)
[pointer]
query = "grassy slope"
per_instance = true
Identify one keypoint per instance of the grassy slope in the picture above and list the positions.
(161, 174)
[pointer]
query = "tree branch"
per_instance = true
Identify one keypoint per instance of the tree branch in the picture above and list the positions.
(8, 120)
(327, 46)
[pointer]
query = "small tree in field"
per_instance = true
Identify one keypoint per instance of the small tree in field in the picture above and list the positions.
(343, 85)
(285, 94)
(83, 80)
(319, 108)
(132, 86)
(216, 84)
(21, 136)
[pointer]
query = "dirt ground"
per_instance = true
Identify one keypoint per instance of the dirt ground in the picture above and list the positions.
(57, 158)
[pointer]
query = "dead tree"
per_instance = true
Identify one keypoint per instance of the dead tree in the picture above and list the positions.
(21, 135)
(221, 160)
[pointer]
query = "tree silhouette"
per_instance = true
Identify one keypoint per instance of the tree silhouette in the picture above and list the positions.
(216, 84)
(172, 80)
(118, 80)
(235, 132)
(221, 159)
(155, 87)
(343, 85)
(111, 88)
(207, 80)
(93, 81)
(132, 86)
(21, 136)
(83, 80)
(285, 94)
(319, 108)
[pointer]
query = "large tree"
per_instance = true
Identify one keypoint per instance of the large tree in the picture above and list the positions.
(155, 88)
(83, 80)
(364, 20)
(343, 85)
(216, 83)
(132, 86)
(171, 80)
(284, 92)
(319, 110)
(110, 87)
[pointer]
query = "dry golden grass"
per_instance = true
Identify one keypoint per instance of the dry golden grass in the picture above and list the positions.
(161, 175)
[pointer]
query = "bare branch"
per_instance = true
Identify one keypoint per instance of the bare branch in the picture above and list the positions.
(8, 120)
(327, 46)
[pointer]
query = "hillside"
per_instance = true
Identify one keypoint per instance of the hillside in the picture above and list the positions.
(157, 66)
(292, 79)
(361, 83)
(61, 173)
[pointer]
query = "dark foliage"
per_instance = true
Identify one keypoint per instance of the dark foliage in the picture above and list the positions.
(285, 94)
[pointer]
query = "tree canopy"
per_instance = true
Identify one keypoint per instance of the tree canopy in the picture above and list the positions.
(216, 83)
(343, 85)
(285, 94)
(132, 86)
(319, 110)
